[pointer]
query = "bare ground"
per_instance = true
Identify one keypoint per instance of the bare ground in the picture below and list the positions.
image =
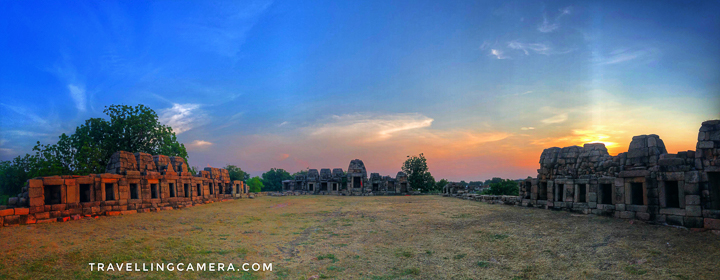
(402, 237)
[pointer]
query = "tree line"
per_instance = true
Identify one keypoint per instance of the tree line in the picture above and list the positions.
(137, 129)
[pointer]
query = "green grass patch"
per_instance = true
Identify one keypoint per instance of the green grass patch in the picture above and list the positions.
(328, 257)
(404, 253)
(459, 256)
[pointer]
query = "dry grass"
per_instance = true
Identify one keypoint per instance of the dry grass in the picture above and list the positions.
(418, 237)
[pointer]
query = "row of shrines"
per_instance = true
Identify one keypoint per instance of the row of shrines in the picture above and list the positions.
(136, 182)
(645, 183)
(354, 182)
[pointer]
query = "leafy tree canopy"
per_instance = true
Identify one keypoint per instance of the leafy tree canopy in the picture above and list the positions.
(503, 187)
(418, 175)
(236, 173)
(255, 184)
(272, 180)
(87, 151)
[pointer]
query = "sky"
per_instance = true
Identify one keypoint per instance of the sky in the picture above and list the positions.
(479, 87)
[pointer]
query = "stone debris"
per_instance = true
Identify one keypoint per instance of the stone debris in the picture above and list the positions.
(645, 183)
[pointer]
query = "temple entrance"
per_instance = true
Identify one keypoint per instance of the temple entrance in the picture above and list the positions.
(528, 189)
(311, 187)
(672, 194)
(376, 187)
(323, 186)
(357, 183)
(85, 193)
(109, 192)
(391, 187)
(714, 186)
(560, 194)
(52, 194)
(403, 187)
(187, 190)
(636, 194)
(605, 194)
(582, 193)
(134, 191)
(542, 193)
(172, 189)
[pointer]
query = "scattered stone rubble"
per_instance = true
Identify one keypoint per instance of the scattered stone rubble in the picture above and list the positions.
(644, 183)
(133, 183)
(356, 182)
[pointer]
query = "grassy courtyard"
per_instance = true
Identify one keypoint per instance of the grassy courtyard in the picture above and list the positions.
(329, 237)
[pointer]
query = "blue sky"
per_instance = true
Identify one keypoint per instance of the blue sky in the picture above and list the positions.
(479, 87)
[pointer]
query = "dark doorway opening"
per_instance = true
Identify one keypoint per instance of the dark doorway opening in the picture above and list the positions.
(357, 183)
(542, 193)
(323, 186)
(391, 186)
(403, 187)
(154, 191)
(134, 191)
(376, 187)
(582, 193)
(199, 190)
(714, 186)
(212, 191)
(53, 194)
(636, 194)
(311, 187)
(528, 189)
(172, 189)
(560, 192)
(109, 192)
(85, 193)
(606, 194)
(672, 194)
(186, 188)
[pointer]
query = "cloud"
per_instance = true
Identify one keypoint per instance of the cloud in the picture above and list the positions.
(182, 117)
(624, 55)
(370, 127)
(24, 112)
(283, 123)
(200, 144)
(539, 48)
(77, 92)
(527, 128)
(546, 26)
(498, 54)
(559, 118)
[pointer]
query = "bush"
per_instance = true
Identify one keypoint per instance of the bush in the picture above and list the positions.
(504, 187)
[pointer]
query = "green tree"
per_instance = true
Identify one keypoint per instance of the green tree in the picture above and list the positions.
(236, 173)
(132, 129)
(255, 184)
(272, 180)
(440, 184)
(503, 187)
(418, 175)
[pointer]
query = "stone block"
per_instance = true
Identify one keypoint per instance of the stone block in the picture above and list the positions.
(643, 216)
(45, 221)
(672, 211)
(37, 209)
(53, 181)
(42, 215)
(692, 200)
(693, 211)
(692, 188)
(705, 144)
(627, 215)
(712, 223)
(620, 207)
(58, 207)
(11, 220)
(7, 212)
(112, 213)
(693, 222)
(675, 220)
(22, 211)
(592, 204)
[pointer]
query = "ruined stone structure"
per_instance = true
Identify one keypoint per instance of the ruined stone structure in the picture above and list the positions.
(354, 182)
(645, 183)
(132, 183)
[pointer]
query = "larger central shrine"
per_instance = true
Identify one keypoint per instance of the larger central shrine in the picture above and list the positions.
(354, 182)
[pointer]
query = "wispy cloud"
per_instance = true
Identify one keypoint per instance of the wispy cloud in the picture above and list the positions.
(24, 112)
(527, 128)
(559, 118)
(547, 26)
(182, 117)
(77, 92)
(539, 48)
(200, 143)
(624, 55)
(372, 127)
(282, 124)
(498, 54)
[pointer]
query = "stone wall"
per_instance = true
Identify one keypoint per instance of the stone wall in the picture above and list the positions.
(133, 183)
(644, 183)
(354, 182)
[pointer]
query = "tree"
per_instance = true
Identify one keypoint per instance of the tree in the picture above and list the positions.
(132, 129)
(272, 180)
(255, 184)
(418, 175)
(504, 187)
(441, 184)
(236, 173)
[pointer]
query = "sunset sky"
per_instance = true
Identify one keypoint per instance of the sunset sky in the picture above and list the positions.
(481, 88)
